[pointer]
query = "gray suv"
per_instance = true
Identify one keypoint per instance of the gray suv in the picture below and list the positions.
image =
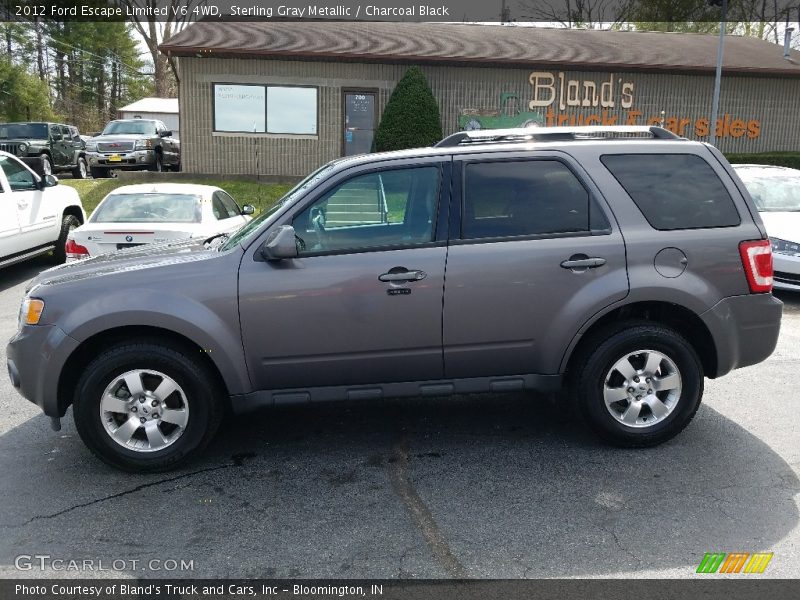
(620, 264)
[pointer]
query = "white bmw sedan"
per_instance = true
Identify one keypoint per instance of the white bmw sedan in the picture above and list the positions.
(776, 193)
(133, 215)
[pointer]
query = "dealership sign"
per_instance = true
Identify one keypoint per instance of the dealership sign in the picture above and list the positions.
(603, 97)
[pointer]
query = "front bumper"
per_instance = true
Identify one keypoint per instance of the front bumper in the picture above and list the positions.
(744, 329)
(35, 358)
(135, 159)
(787, 271)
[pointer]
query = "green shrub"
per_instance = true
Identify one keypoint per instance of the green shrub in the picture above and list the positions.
(411, 117)
(781, 159)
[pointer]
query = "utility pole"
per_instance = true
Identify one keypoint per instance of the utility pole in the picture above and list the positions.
(718, 78)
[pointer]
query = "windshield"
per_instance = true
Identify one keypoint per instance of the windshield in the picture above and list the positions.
(246, 231)
(773, 192)
(148, 208)
(28, 131)
(137, 127)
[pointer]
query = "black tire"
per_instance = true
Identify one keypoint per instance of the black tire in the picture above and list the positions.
(68, 223)
(203, 399)
(99, 172)
(158, 163)
(596, 361)
(81, 170)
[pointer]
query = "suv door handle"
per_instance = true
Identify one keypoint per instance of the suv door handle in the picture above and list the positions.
(402, 274)
(583, 263)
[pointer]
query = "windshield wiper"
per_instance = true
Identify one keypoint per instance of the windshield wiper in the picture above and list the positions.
(222, 237)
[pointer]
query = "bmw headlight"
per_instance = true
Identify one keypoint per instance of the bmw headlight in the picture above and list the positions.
(780, 246)
(22, 148)
(143, 144)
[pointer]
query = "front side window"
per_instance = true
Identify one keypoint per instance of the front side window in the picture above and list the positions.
(526, 197)
(674, 191)
(387, 208)
(229, 204)
(19, 178)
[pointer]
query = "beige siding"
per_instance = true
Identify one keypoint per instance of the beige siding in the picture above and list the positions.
(774, 102)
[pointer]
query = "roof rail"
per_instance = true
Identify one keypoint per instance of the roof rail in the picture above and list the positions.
(552, 134)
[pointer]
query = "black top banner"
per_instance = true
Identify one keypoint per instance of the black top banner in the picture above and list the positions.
(587, 13)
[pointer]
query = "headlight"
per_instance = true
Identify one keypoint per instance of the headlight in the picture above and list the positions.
(23, 148)
(91, 146)
(31, 311)
(143, 144)
(783, 247)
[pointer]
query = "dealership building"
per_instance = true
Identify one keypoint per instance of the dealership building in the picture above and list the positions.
(280, 98)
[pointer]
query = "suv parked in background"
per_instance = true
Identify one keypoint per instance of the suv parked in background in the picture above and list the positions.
(36, 214)
(623, 270)
(59, 147)
(133, 144)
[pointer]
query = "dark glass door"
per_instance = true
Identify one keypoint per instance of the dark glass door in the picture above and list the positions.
(359, 122)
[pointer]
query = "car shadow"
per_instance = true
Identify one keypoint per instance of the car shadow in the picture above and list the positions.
(16, 274)
(484, 486)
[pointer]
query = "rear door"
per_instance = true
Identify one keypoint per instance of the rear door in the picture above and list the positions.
(535, 254)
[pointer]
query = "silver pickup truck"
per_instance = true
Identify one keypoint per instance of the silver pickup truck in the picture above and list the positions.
(133, 144)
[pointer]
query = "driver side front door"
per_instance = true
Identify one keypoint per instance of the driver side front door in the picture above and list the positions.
(362, 303)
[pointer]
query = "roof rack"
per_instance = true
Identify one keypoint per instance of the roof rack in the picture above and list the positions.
(553, 134)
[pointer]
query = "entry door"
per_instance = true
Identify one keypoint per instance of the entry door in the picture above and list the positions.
(359, 121)
(536, 257)
(363, 302)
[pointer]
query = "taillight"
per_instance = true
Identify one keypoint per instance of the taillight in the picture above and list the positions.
(75, 251)
(757, 262)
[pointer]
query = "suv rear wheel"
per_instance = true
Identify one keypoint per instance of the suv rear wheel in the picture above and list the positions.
(640, 385)
(146, 407)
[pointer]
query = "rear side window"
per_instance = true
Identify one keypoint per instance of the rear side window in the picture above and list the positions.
(527, 197)
(674, 191)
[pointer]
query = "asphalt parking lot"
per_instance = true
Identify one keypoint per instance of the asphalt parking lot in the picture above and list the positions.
(485, 486)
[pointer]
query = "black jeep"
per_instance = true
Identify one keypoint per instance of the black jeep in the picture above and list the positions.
(57, 147)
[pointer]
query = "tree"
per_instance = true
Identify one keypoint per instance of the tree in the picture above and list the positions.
(411, 117)
(23, 96)
(155, 29)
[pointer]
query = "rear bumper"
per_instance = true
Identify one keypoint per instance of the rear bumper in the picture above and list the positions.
(35, 358)
(744, 329)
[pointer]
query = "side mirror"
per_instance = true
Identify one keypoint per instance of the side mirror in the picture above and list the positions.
(166, 133)
(280, 244)
(248, 209)
(48, 181)
(57, 137)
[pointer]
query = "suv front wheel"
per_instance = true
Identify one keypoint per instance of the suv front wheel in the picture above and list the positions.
(146, 407)
(639, 386)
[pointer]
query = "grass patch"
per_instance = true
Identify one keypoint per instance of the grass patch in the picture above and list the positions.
(260, 195)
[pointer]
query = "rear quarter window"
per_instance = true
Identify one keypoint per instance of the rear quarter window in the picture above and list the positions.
(674, 191)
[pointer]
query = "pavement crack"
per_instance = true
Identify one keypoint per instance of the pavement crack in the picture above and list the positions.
(133, 490)
(400, 475)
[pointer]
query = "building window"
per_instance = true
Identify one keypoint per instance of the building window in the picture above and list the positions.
(292, 110)
(265, 109)
(240, 108)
